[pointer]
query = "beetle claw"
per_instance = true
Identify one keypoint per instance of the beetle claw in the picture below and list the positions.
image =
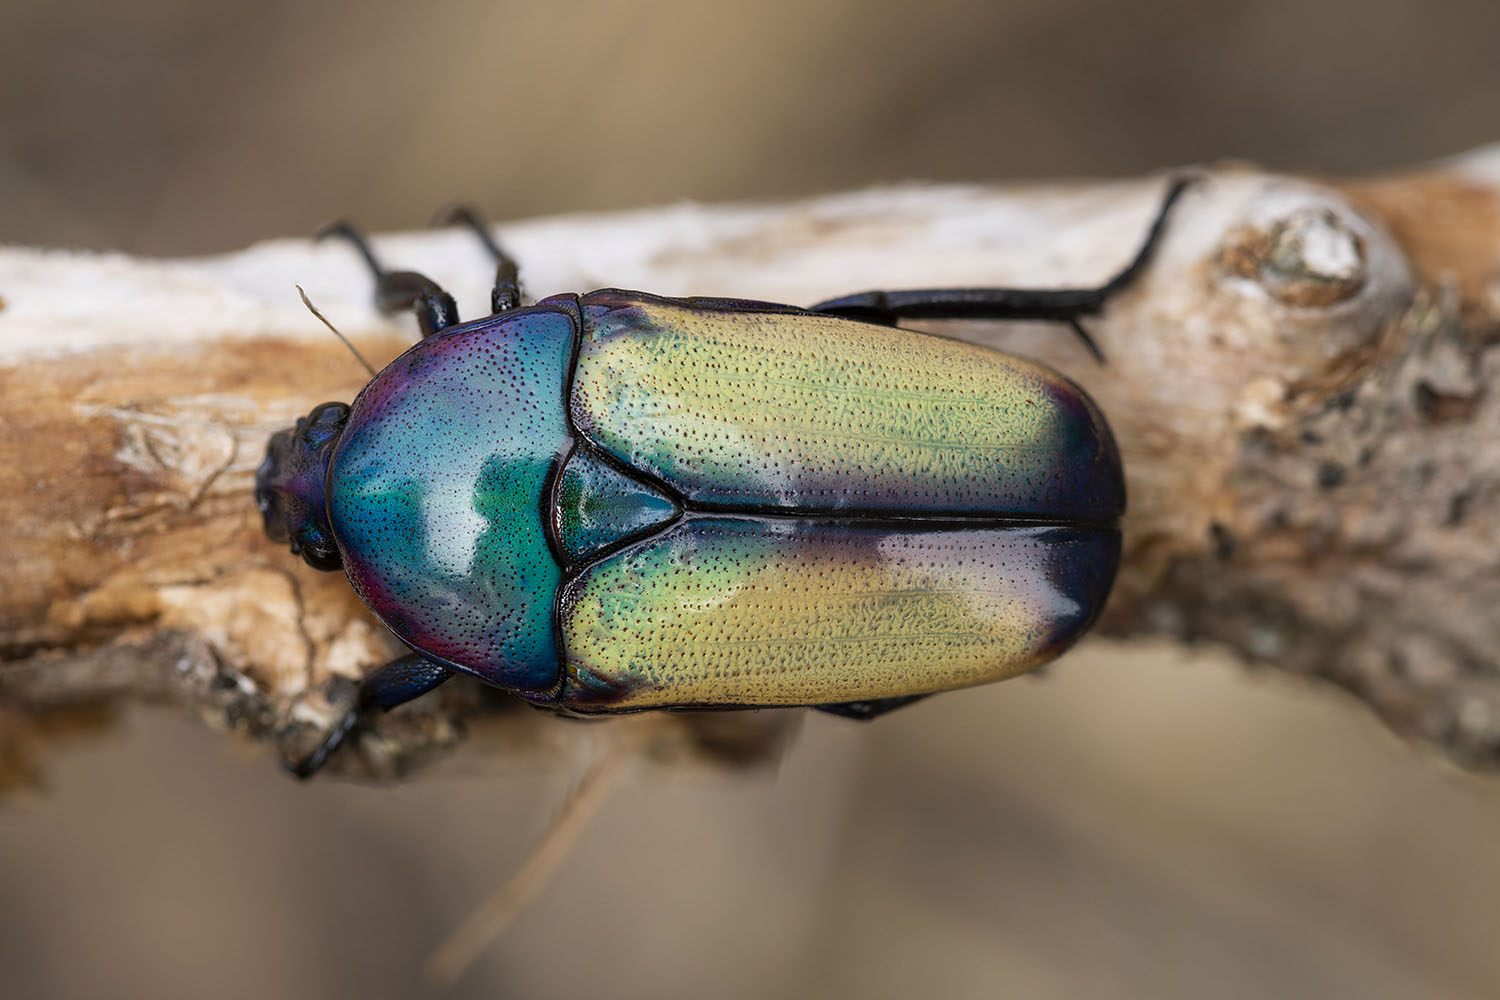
(313, 762)
(345, 697)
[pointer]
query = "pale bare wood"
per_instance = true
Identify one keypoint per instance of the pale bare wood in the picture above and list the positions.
(1300, 387)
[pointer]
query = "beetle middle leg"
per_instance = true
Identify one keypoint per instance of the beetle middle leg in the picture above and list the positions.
(870, 708)
(1061, 305)
(396, 683)
(398, 291)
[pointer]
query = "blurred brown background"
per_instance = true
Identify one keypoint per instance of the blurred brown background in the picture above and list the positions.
(1135, 824)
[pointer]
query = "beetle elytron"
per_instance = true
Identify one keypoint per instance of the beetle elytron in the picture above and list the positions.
(617, 501)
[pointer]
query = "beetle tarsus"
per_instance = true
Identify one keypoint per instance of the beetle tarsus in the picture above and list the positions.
(1153, 237)
(1060, 305)
(313, 762)
(350, 233)
(506, 294)
(1088, 340)
(400, 291)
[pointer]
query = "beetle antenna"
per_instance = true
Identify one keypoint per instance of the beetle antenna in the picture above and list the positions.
(454, 956)
(352, 349)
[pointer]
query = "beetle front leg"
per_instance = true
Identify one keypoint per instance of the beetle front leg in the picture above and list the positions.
(506, 294)
(1059, 305)
(396, 683)
(399, 291)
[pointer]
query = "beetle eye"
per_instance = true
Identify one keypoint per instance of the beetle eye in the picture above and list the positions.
(318, 550)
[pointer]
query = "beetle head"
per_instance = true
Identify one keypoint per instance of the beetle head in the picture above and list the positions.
(290, 485)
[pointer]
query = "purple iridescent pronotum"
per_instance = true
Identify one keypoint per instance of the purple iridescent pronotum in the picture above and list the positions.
(618, 501)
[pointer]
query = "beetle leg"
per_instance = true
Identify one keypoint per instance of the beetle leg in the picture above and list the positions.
(396, 683)
(866, 710)
(507, 291)
(399, 291)
(1061, 305)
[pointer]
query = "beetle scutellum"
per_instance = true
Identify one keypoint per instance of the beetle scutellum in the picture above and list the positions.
(617, 501)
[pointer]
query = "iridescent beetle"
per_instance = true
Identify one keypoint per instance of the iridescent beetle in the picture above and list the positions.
(617, 501)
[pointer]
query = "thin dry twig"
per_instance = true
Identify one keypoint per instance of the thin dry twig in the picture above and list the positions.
(484, 926)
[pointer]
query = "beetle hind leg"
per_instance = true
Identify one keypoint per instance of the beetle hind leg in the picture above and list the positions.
(399, 291)
(506, 294)
(396, 683)
(1059, 305)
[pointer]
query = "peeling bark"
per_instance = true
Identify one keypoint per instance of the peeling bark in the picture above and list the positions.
(1299, 386)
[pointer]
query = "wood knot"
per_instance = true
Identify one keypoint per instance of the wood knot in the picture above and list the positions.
(1309, 259)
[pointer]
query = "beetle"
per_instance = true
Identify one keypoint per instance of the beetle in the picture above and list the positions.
(617, 501)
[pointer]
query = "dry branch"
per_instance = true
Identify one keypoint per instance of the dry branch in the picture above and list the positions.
(1299, 386)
